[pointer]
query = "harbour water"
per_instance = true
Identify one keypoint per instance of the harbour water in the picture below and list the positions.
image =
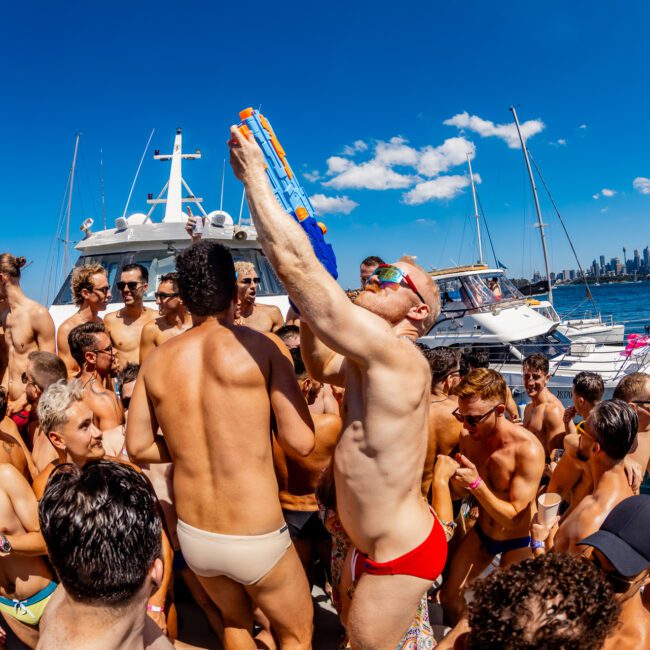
(626, 302)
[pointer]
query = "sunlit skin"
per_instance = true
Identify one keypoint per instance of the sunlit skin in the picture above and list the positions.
(365, 271)
(78, 439)
(263, 318)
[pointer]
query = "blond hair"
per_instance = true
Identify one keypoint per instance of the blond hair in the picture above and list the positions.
(244, 268)
(484, 383)
(54, 403)
(81, 280)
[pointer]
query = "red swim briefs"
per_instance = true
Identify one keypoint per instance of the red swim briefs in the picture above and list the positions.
(425, 561)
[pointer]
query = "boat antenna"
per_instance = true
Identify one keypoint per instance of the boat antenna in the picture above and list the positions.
(540, 223)
(566, 232)
(101, 182)
(478, 223)
(223, 177)
(144, 153)
(241, 207)
(487, 230)
(67, 222)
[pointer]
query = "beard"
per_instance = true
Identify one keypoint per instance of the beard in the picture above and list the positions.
(390, 310)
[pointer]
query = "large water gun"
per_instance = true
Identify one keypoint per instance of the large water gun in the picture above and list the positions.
(288, 191)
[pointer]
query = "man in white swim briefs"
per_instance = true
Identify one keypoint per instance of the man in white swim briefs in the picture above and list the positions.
(229, 382)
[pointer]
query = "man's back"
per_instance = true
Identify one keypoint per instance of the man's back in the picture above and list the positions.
(209, 388)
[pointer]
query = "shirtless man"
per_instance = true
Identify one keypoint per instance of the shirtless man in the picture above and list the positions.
(368, 348)
(67, 421)
(11, 451)
(621, 550)
(43, 370)
(91, 293)
(26, 584)
(606, 438)
(109, 560)
(635, 390)
(125, 325)
(263, 318)
(298, 478)
(570, 477)
(92, 350)
(368, 267)
(174, 318)
(544, 415)
(227, 451)
(27, 326)
(501, 465)
(444, 428)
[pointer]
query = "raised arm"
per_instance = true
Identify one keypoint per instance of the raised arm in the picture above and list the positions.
(350, 330)
(142, 443)
(147, 340)
(294, 424)
(323, 364)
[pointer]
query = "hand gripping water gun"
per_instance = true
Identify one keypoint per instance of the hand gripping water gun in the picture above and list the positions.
(288, 191)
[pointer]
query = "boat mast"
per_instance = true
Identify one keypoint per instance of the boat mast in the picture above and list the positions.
(101, 178)
(540, 223)
(478, 224)
(67, 222)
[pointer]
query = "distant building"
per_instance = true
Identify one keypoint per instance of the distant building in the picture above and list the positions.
(595, 269)
(646, 257)
(552, 276)
(637, 259)
(572, 275)
(603, 268)
(566, 274)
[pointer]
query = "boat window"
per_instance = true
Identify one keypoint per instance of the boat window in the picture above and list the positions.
(161, 262)
(498, 353)
(553, 344)
(454, 299)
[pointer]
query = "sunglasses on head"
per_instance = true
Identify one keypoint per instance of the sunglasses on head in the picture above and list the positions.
(389, 274)
(161, 295)
(250, 280)
(133, 285)
(473, 420)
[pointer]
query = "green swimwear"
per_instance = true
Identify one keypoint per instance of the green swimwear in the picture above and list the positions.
(31, 609)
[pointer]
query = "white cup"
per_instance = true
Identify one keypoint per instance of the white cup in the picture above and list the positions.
(548, 506)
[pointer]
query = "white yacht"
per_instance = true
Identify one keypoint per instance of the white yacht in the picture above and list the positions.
(137, 238)
(602, 329)
(481, 314)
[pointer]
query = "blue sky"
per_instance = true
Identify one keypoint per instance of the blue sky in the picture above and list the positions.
(329, 75)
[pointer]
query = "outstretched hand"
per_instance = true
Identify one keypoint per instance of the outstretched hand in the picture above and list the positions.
(444, 468)
(246, 157)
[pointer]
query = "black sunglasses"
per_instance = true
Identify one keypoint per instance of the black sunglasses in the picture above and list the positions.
(133, 285)
(473, 420)
(26, 380)
(640, 401)
(126, 401)
(161, 295)
(619, 584)
(109, 350)
(251, 280)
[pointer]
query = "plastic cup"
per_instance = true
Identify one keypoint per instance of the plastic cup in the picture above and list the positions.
(548, 505)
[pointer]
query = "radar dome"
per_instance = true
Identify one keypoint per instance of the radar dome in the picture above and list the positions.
(136, 219)
(220, 219)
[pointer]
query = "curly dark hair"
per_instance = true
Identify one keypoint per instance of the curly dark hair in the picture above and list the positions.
(442, 360)
(552, 602)
(206, 278)
(589, 385)
(102, 530)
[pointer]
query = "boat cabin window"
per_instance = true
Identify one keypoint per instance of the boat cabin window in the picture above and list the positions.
(161, 262)
(459, 294)
(553, 344)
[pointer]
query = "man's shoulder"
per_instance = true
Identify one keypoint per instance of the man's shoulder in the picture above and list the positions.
(41, 480)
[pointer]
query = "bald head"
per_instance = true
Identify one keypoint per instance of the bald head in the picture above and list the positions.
(427, 288)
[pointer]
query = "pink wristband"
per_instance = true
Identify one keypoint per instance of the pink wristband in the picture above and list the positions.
(474, 484)
(155, 608)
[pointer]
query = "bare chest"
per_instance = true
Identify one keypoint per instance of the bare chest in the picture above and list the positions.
(18, 333)
(259, 320)
(496, 469)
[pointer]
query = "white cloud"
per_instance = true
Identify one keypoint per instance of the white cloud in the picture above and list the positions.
(354, 148)
(443, 187)
(396, 152)
(596, 196)
(425, 222)
(604, 209)
(582, 126)
(312, 176)
(561, 141)
(370, 175)
(332, 204)
(452, 152)
(607, 192)
(486, 128)
(337, 165)
(641, 184)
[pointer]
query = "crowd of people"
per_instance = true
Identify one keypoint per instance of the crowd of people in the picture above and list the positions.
(252, 456)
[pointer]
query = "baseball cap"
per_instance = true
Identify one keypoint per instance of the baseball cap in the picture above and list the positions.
(623, 538)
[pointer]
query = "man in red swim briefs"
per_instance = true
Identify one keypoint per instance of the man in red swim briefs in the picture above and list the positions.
(366, 347)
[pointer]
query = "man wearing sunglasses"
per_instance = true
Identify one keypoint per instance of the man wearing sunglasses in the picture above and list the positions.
(93, 351)
(501, 465)
(125, 325)
(367, 347)
(91, 294)
(263, 318)
(621, 550)
(606, 438)
(174, 319)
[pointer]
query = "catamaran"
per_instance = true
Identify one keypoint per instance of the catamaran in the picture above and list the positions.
(154, 244)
